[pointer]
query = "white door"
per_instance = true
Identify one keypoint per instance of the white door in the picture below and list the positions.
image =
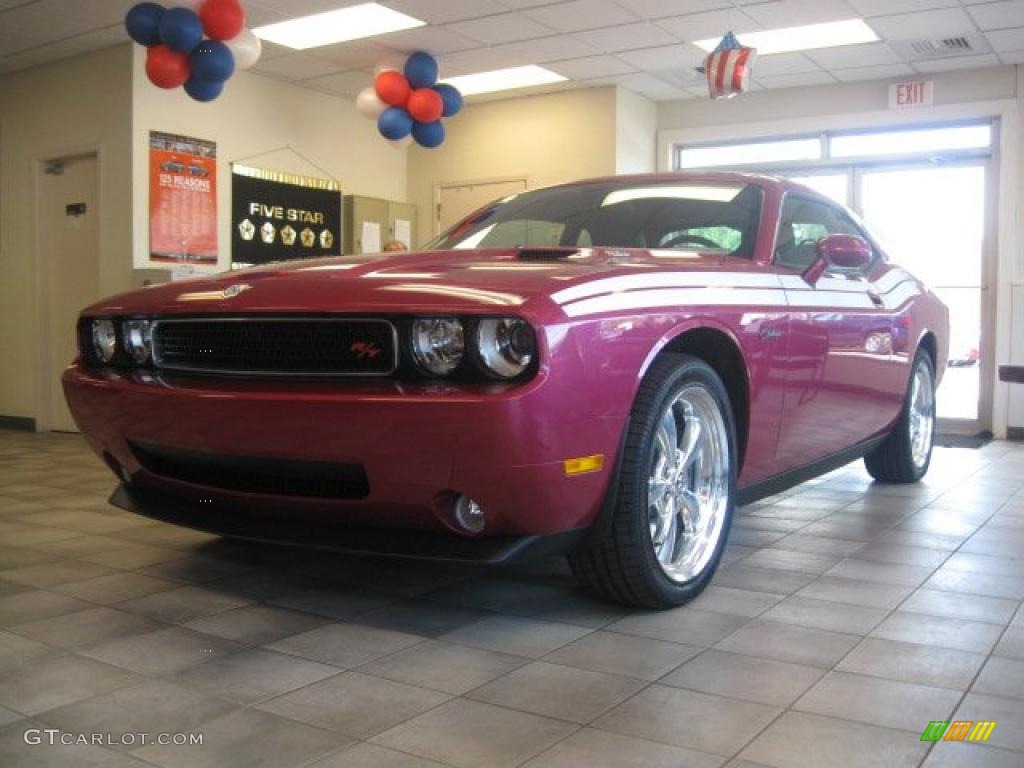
(456, 201)
(69, 249)
(933, 222)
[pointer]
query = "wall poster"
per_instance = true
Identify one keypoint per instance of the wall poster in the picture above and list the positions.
(282, 216)
(182, 201)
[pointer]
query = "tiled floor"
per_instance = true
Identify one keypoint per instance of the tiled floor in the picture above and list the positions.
(846, 617)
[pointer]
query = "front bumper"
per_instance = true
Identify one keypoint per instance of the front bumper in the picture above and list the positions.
(421, 445)
(418, 545)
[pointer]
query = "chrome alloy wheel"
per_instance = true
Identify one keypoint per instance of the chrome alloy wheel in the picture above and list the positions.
(688, 487)
(921, 416)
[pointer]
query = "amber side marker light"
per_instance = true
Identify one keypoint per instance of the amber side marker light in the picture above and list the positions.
(584, 465)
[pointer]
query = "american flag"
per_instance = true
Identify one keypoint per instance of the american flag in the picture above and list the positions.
(728, 68)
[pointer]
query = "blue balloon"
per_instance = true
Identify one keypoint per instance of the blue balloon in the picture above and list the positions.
(181, 29)
(421, 70)
(212, 60)
(451, 97)
(429, 135)
(203, 90)
(143, 23)
(394, 123)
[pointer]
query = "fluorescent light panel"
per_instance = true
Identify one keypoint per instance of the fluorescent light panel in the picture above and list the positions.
(504, 79)
(831, 34)
(351, 23)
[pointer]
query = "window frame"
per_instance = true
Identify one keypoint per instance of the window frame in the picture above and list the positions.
(840, 213)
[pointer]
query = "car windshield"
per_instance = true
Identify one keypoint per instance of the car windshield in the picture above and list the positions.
(683, 215)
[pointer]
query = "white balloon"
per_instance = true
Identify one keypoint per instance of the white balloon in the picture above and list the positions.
(368, 104)
(401, 143)
(246, 48)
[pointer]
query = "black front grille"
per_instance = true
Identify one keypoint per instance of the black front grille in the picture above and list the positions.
(278, 477)
(277, 346)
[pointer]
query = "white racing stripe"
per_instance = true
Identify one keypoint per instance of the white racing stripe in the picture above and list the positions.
(676, 299)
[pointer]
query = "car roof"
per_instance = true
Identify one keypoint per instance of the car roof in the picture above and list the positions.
(762, 180)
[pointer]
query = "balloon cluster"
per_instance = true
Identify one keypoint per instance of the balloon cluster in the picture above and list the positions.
(197, 44)
(408, 105)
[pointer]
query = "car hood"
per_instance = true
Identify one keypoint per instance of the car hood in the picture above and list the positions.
(478, 281)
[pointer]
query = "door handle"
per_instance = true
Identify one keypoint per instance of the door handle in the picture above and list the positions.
(876, 299)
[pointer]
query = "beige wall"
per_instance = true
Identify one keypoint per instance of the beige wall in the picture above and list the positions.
(72, 107)
(256, 114)
(982, 93)
(546, 139)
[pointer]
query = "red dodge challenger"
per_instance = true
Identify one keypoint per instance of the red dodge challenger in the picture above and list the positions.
(604, 369)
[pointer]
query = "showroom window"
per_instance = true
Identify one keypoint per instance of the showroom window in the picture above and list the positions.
(953, 140)
(901, 181)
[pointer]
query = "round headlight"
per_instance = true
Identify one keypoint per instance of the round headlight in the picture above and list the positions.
(138, 339)
(438, 344)
(104, 340)
(507, 345)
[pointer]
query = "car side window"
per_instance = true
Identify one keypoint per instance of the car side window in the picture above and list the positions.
(802, 224)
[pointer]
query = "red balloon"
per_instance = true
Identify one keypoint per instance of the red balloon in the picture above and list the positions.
(167, 68)
(392, 88)
(222, 19)
(426, 105)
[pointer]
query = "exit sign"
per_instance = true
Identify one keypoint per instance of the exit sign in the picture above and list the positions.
(910, 94)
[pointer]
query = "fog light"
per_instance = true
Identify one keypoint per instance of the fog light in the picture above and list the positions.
(468, 515)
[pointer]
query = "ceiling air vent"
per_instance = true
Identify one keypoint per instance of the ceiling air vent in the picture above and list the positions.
(941, 47)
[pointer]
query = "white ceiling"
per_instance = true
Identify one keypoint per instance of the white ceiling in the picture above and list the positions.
(643, 45)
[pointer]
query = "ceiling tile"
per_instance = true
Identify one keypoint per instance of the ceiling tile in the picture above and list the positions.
(435, 40)
(434, 12)
(518, 5)
(347, 84)
(1006, 39)
(296, 8)
(911, 26)
(581, 14)
(879, 72)
(957, 62)
(794, 13)
(885, 7)
(703, 26)
(355, 54)
(784, 64)
(1012, 57)
(542, 49)
(681, 78)
(590, 67)
(659, 9)
(663, 57)
(504, 28)
(998, 15)
(649, 85)
(796, 80)
(476, 60)
(626, 37)
(844, 57)
(298, 66)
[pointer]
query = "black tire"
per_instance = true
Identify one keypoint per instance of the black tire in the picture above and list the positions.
(621, 564)
(893, 460)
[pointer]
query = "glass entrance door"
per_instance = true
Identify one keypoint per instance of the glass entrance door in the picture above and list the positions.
(932, 220)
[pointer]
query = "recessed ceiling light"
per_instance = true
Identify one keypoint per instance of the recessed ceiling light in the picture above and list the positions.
(504, 79)
(351, 23)
(829, 35)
